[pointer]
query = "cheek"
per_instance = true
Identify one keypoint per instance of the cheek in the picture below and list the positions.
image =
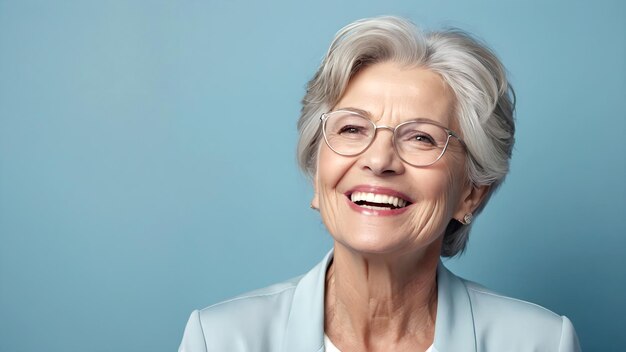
(438, 197)
(330, 168)
(447, 185)
(435, 183)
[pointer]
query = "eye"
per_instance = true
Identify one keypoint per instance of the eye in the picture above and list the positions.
(351, 129)
(423, 138)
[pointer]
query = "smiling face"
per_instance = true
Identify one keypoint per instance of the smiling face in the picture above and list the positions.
(376, 203)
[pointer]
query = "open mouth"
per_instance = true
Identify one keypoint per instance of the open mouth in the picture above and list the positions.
(378, 201)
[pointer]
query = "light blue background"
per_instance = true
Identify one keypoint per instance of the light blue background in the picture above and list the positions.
(147, 161)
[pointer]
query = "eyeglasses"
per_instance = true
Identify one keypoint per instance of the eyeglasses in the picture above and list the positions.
(418, 142)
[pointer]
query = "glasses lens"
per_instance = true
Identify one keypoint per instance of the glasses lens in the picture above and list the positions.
(420, 143)
(348, 133)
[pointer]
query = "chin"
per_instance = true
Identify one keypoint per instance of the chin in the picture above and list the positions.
(377, 244)
(372, 244)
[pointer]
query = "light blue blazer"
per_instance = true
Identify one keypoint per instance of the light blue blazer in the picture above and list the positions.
(289, 317)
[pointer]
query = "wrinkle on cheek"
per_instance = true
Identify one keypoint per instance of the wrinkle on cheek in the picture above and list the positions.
(432, 214)
(332, 169)
(429, 220)
(328, 210)
(456, 180)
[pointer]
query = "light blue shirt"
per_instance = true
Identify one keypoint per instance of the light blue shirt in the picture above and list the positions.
(289, 317)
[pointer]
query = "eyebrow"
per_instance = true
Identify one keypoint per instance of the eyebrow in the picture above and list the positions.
(367, 114)
(358, 111)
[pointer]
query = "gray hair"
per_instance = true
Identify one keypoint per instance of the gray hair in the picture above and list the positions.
(485, 101)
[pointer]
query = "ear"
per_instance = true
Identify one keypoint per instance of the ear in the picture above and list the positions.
(471, 199)
(315, 202)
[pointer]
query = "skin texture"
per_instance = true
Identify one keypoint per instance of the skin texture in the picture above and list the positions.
(381, 292)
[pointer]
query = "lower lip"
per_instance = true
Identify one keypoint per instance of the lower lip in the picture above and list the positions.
(375, 212)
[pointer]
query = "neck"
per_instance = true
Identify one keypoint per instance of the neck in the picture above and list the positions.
(374, 302)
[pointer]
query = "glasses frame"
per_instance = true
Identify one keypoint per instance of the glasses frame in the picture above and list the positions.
(324, 117)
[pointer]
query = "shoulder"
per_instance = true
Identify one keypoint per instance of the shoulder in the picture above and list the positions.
(254, 307)
(492, 306)
(286, 316)
(249, 322)
(516, 325)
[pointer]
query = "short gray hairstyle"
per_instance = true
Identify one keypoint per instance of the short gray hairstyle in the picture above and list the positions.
(485, 101)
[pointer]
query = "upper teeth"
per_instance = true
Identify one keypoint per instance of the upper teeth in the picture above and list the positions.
(377, 198)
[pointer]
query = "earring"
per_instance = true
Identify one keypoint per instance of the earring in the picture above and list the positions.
(467, 219)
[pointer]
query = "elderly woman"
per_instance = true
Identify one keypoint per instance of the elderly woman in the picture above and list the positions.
(405, 135)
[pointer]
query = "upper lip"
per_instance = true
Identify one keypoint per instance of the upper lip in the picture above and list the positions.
(378, 190)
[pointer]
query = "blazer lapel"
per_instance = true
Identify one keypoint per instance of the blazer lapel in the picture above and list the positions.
(305, 328)
(454, 328)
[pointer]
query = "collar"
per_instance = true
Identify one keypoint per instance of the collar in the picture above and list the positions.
(454, 328)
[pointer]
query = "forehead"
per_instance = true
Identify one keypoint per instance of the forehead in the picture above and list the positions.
(390, 93)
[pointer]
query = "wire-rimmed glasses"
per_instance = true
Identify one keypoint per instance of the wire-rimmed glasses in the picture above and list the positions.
(418, 142)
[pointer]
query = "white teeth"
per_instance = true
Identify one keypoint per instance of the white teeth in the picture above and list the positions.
(373, 207)
(377, 198)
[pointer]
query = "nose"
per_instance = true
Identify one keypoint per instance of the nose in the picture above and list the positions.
(380, 157)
